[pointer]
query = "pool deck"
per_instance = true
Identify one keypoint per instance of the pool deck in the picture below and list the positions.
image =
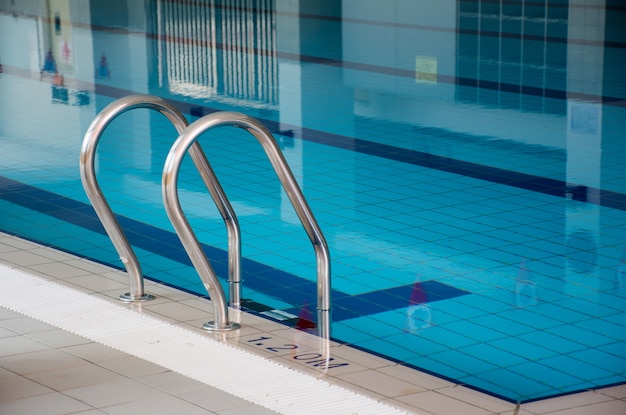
(112, 357)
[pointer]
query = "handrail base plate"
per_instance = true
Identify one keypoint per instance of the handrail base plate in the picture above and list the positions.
(129, 298)
(211, 326)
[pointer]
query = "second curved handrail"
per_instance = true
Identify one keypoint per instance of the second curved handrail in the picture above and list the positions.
(289, 183)
(106, 216)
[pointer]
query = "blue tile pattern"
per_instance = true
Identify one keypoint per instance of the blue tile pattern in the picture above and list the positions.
(468, 177)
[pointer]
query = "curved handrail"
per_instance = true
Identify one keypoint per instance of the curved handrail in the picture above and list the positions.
(188, 238)
(106, 216)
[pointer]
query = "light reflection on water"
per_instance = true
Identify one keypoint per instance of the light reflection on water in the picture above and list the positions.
(481, 147)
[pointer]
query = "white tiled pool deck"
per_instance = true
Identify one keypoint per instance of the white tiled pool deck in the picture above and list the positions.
(55, 360)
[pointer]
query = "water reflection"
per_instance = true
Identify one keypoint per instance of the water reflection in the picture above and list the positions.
(219, 51)
(49, 65)
(526, 97)
(525, 287)
(418, 313)
(486, 83)
(102, 69)
(620, 274)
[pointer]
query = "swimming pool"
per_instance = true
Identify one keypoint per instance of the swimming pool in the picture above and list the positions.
(467, 173)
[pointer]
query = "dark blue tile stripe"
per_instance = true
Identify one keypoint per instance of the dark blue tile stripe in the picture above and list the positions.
(284, 286)
(525, 181)
(374, 302)
(530, 182)
(544, 185)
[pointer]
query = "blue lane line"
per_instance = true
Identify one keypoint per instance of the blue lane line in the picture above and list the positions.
(552, 187)
(284, 286)
(374, 302)
(548, 186)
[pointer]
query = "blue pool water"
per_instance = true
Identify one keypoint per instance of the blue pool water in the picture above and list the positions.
(465, 161)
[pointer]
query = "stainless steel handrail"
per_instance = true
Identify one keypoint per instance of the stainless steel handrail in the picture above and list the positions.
(106, 216)
(189, 240)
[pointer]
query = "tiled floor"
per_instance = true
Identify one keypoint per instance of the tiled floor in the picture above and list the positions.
(44, 369)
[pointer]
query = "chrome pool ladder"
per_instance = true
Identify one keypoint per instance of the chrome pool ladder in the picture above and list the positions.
(174, 211)
(187, 142)
(108, 219)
